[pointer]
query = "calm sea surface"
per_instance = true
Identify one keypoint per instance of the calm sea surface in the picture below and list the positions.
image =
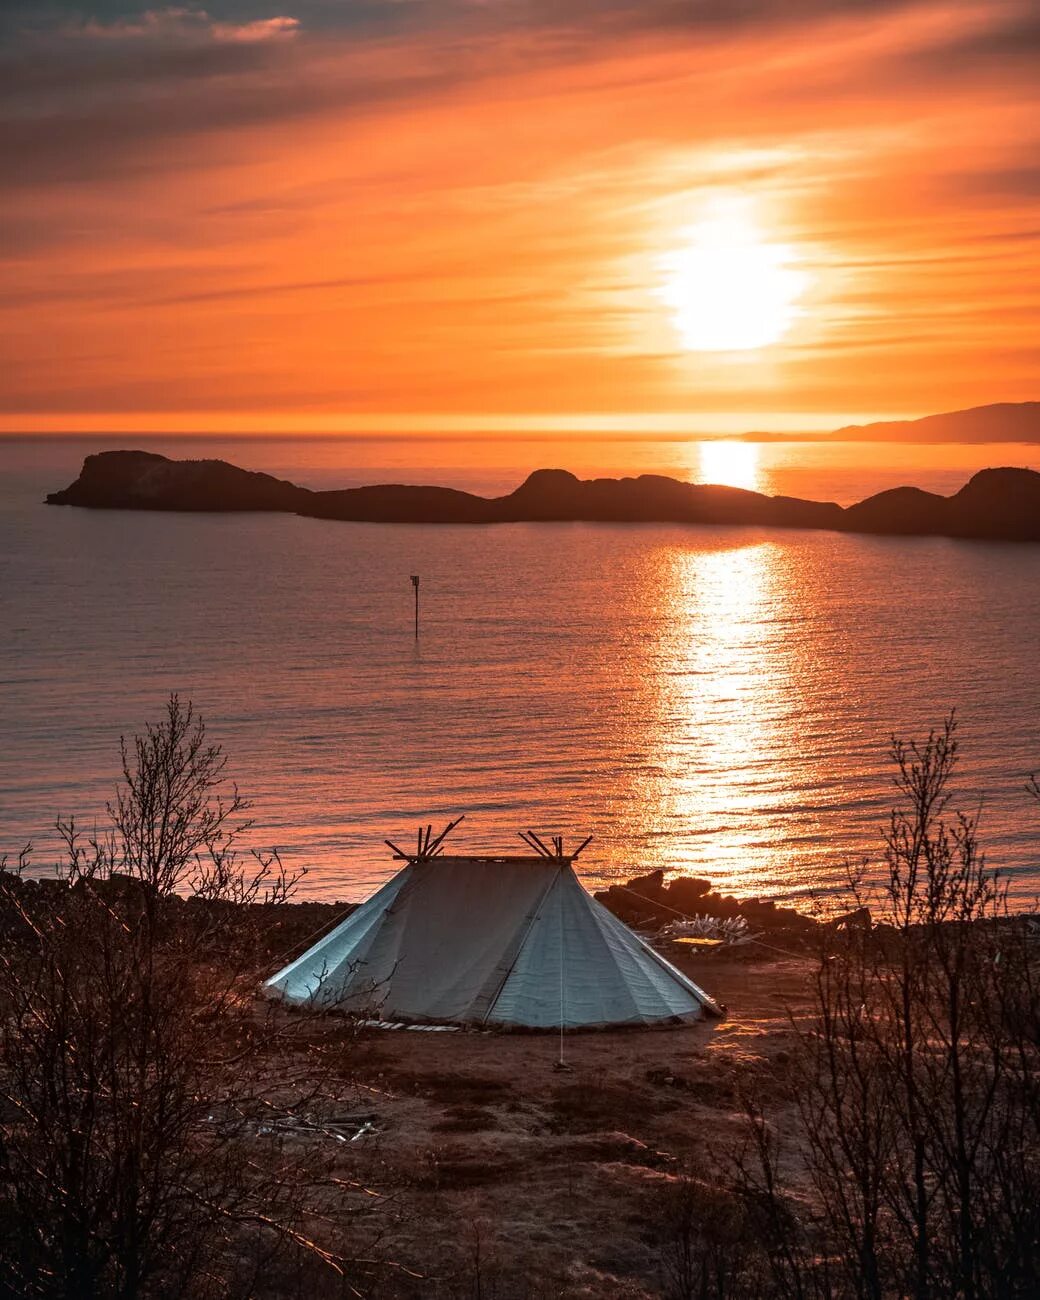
(709, 700)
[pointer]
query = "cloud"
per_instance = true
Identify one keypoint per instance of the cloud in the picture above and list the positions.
(178, 22)
(278, 28)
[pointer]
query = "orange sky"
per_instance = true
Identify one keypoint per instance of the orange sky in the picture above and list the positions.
(398, 214)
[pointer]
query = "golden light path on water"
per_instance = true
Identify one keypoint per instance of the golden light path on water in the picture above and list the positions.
(724, 694)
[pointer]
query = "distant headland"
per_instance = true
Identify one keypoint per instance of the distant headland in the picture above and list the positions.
(995, 422)
(998, 504)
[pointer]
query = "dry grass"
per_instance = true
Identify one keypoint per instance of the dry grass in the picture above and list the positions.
(511, 1180)
(466, 1119)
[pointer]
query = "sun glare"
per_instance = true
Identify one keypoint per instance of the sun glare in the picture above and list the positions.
(732, 464)
(729, 289)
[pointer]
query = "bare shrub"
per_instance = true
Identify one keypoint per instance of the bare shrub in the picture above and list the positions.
(710, 1243)
(135, 1075)
(918, 1085)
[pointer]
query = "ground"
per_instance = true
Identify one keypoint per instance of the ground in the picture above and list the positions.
(502, 1175)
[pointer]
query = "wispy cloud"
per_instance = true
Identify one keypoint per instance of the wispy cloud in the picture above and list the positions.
(180, 23)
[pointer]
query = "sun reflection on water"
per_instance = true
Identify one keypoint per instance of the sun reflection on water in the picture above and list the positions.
(732, 464)
(728, 701)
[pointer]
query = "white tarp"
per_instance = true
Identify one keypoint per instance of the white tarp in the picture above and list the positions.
(477, 941)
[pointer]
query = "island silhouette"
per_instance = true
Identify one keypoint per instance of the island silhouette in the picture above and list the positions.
(999, 504)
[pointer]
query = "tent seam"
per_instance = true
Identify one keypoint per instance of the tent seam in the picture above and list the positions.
(522, 945)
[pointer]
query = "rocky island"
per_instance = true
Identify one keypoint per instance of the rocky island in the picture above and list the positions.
(998, 504)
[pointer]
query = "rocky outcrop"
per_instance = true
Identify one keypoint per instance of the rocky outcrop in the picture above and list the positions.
(143, 480)
(652, 498)
(647, 900)
(1002, 504)
(899, 510)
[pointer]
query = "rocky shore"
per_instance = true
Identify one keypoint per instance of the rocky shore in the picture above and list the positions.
(646, 900)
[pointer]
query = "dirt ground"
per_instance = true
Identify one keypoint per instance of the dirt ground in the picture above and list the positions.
(501, 1175)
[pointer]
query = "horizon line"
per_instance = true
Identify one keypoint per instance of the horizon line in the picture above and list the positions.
(623, 425)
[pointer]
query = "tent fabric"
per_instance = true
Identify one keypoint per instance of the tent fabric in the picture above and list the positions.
(514, 942)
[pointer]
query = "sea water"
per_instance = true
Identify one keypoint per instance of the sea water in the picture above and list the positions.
(703, 700)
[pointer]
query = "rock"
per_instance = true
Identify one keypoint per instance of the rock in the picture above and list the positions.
(117, 887)
(143, 480)
(645, 898)
(1001, 503)
(652, 885)
(899, 510)
(857, 919)
(686, 892)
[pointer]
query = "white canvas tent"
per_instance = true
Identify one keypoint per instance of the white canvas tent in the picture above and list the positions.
(496, 941)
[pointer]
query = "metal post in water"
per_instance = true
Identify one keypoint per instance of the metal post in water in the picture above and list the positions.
(415, 584)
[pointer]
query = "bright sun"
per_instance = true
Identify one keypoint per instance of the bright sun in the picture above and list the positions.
(729, 289)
